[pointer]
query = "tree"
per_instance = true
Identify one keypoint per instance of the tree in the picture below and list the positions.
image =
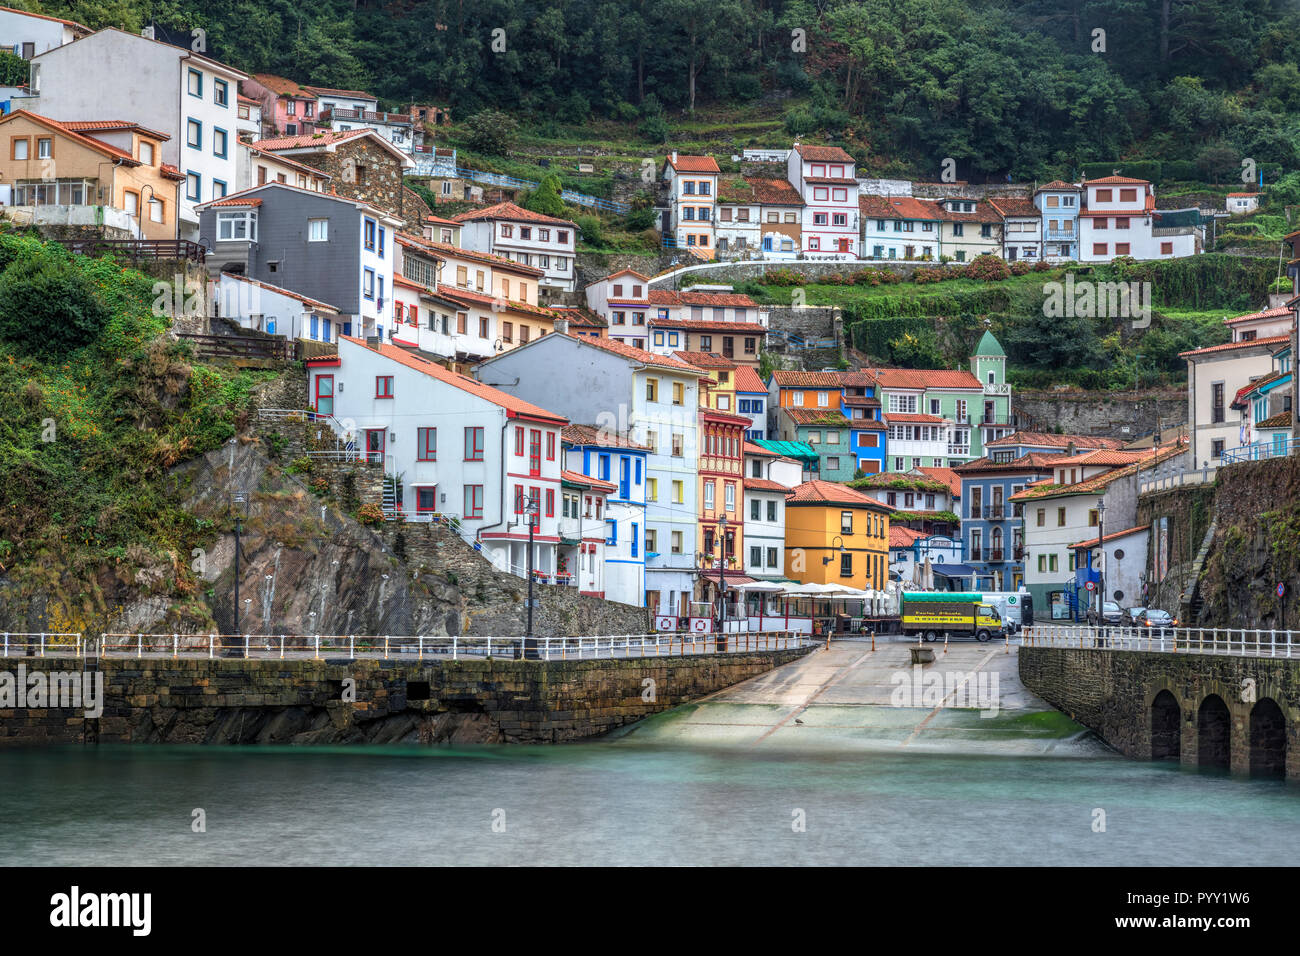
(545, 199)
(491, 132)
(48, 307)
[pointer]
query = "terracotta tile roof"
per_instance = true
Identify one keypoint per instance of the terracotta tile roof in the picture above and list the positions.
(1092, 542)
(95, 126)
(948, 476)
(586, 481)
(463, 382)
(170, 171)
(438, 220)
(868, 425)
(773, 192)
(1047, 489)
(898, 207)
(708, 325)
(333, 197)
(903, 537)
(323, 138)
(42, 16)
(817, 416)
(687, 297)
(792, 378)
(602, 437)
(724, 418)
(910, 378)
(885, 481)
(635, 354)
(823, 154)
(1256, 316)
(693, 164)
(1230, 346)
(900, 418)
(1030, 461)
(984, 212)
(283, 86)
(1055, 186)
(1102, 456)
(861, 378)
(487, 258)
(706, 360)
(860, 401)
(626, 272)
(819, 492)
(1014, 207)
(1116, 181)
(292, 163)
(508, 210)
(747, 380)
(88, 141)
(1280, 420)
(579, 316)
(483, 300)
(235, 201)
(766, 484)
(1051, 440)
(830, 181)
(1243, 195)
(247, 100)
(1239, 400)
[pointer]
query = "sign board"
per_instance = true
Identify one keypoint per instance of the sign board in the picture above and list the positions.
(701, 625)
(665, 622)
(1281, 589)
(1091, 585)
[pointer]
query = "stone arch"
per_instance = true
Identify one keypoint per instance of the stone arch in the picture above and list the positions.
(1267, 739)
(1166, 727)
(1214, 733)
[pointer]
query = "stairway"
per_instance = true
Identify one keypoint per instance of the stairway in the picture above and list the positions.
(1190, 601)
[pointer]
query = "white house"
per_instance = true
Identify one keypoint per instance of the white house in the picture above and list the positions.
(692, 189)
(248, 117)
(268, 308)
(769, 477)
(1059, 204)
(1240, 204)
(619, 464)
(824, 177)
(654, 399)
(1119, 219)
(528, 237)
(900, 227)
(30, 34)
(1215, 375)
(163, 87)
(1022, 228)
(459, 448)
(622, 299)
(256, 167)
(582, 554)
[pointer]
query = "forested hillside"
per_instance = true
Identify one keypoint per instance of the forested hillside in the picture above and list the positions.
(1026, 89)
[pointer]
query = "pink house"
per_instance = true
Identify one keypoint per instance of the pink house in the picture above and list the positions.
(290, 108)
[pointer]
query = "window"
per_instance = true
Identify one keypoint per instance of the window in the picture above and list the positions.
(193, 182)
(368, 231)
(428, 444)
(194, 83)
(473, 499)
(221, 92)
(846, 564)
(1122, 248)
(383, 386)
(426, 499)
(233, 226)
(679, 393)
(1216, 448)
(678, 444)
(44, 148)
(1099, 248)
(194, 134)
(218, 142)
(1216, 402)
(1060, 517)
(652, 390)
(676, 542)
(473, 444)
(1104, 195)
(156, 212)
(368, 283)
(218, 189)
(318, 230)
(146, 153)
(756, 556)
(18, 147)
(678, 493)
(1166, 248)
(709, 489)
(652, 490)
(846, 522)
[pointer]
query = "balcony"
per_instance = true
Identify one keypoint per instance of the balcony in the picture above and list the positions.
(976, 554)
(1060, 235)
(1018, 553)
(995, 513)
(365, 116)
(959, 451)
(995, 555)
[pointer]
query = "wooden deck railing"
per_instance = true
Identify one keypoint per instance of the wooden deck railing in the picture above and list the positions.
(137, 249)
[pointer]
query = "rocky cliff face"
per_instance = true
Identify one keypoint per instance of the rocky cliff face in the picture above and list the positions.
(306, 567)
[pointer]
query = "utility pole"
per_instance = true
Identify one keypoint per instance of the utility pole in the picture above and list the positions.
(722, 579)
(1101, 564)
(531, 509)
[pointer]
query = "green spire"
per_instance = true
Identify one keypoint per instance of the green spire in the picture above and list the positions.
(988, 345)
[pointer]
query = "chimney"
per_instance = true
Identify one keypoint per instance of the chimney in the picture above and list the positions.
(1070, 449)
(674, 157)
(372, 342)
(562, 326)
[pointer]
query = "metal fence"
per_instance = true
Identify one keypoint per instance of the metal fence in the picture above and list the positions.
(391, 647)
(1237, 642)
(568, 195)
(42, 643)
(1261, 450)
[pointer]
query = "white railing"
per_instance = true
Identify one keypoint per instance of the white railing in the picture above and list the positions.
(42, 644)
(1177, 479)
(1238, 642)
(391, 647)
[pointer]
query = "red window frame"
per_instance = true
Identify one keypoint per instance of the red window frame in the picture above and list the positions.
(420, 509)
(1099, 248)
(1166, 248)
(1103, 195)
(423, 451)
(473, 501)
(534, 452)
(412, 315)
(550, 446)
(1128, 195)
(1101, 223)
(535, 494)
(519, 441)
(319, 395)
(1122, 248)
(550, 502)
(519, 499)
(473, 443)
(383, 386)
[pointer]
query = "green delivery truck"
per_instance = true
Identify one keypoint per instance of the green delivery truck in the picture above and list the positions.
(936, 614)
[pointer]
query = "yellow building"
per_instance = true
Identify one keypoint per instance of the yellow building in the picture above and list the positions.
(718, 386)
(835, 535)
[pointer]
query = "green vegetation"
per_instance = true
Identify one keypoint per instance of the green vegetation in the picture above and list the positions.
(88, 431)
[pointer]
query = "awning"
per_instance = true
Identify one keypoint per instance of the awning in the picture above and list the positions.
(798, 450)
(735, 579)
(953, 570)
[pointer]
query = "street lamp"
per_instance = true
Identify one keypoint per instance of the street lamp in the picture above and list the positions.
(1101, 563)
(239, 507)
(144, 206)
(531, 509)
(828, 559)
(722, 575)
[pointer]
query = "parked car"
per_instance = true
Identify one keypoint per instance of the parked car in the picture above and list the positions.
(1112, 615)
(1135, 615)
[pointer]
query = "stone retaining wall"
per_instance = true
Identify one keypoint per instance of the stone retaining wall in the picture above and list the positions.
(192, 701)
